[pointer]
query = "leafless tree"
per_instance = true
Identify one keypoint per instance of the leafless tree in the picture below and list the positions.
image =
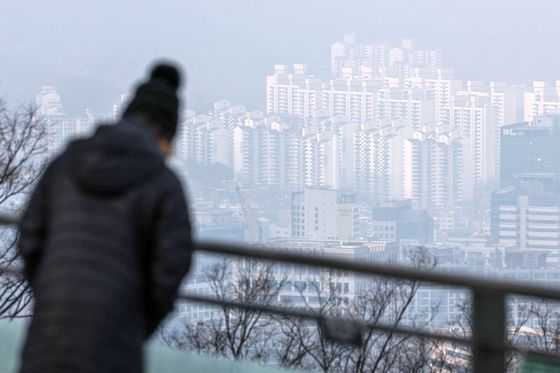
(22, 159)
(289, 351)
(545, 333)
(309, 339)
(298, 343)
(389, 302)
(231, 332)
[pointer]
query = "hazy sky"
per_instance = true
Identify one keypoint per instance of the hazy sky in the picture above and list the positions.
(93, 51)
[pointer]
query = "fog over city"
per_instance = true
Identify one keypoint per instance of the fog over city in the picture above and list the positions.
(92, 51)
(361, 185)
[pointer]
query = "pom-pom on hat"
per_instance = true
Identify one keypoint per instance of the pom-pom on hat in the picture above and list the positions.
(167, 73)
(158, 99)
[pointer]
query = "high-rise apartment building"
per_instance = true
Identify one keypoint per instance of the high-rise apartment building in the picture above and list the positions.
(322, 161)
(357, 100)
(506, 101)
(541, 100)
(386, 60)
(205, 141)
(441, 90)
(60, 127)
(410, 105)
(473, 116)
(245, 151)
(49, 103)
(294, 93)
(378, 160)
(436, 169)
(353, 99)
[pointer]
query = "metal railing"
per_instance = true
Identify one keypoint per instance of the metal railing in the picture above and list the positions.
(488, 341)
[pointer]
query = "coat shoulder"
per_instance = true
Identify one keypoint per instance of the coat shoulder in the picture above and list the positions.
(168, 181)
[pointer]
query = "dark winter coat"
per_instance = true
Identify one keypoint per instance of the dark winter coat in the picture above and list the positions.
(105, 242)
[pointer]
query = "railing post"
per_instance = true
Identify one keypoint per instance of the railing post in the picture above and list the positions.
(488, 334)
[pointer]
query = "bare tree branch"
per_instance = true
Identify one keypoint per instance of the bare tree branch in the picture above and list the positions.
(23, 140)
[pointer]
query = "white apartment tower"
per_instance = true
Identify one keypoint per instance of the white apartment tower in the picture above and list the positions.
(49, 102)
(542, 100)
(474, 118)
(322, 161)
(293, 93)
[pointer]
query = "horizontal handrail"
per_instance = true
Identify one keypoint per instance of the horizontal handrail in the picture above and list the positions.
(376, 269)
(313, 316)
(488, 339)
(381, 327)
(295, 313)
(10, 271)
(8, 219)
(384, 270)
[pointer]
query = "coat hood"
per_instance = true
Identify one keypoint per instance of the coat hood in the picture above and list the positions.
(115, 158)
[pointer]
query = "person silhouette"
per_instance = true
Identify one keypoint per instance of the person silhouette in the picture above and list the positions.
(106, 239)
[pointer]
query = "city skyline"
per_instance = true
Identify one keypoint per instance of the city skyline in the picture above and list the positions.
(389, 122)
(356, 181)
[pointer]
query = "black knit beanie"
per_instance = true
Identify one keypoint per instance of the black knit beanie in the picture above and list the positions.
(158, 99)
